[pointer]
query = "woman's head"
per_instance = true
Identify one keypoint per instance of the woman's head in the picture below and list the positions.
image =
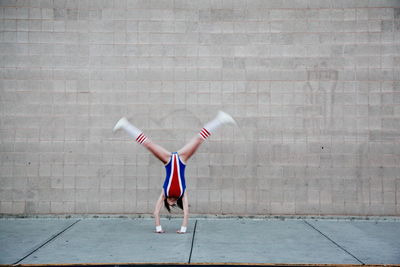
(172, 202)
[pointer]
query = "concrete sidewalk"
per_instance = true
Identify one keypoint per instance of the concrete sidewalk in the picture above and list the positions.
(251, 241)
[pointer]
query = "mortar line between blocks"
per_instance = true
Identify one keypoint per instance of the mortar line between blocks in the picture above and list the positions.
(191, 248)
(342, 248)
(46, 242)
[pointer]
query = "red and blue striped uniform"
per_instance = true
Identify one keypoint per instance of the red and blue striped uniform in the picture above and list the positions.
(174, 184)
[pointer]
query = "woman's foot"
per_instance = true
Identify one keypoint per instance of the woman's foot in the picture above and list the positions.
(225, 118)
(120, 124)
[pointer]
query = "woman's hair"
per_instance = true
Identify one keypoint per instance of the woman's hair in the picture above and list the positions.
(178, 203)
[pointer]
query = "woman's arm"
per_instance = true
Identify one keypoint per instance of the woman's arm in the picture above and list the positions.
(185, 203)
(157, 210)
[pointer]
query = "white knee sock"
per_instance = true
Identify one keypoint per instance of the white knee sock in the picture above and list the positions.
(124, 124)
(221, 119)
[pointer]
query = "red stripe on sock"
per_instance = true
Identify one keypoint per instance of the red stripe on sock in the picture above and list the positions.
(141, 138)
(140, 135)
(207, 132)
(201, 134)
(204, 133)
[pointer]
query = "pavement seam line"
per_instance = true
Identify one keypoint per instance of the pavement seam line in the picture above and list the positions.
(45, 243)
(191, 248)
(339, 246)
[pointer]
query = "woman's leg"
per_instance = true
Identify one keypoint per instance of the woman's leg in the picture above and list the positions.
(190, 148)
(158, 151)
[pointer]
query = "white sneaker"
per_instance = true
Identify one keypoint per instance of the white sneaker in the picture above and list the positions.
(225, 118)
(120, 124)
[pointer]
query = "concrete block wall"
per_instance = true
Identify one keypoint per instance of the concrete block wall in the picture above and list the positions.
(313, 85)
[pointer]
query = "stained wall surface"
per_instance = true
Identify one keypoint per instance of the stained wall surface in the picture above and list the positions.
(314, 87)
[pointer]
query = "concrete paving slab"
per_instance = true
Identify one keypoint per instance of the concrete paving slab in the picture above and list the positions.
(251, 241)
(371, 242)
(19, 237)
(117, 241)
(264, 241)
